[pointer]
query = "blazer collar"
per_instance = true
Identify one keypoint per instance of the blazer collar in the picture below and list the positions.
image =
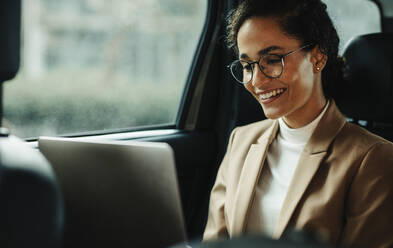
(269, 135)
(310, 159)
(327, 129)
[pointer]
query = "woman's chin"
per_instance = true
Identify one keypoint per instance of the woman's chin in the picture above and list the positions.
(272, 114)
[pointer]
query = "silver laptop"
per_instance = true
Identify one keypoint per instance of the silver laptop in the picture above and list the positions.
(117, 194)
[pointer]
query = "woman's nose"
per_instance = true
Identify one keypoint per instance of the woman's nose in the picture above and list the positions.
(259, 78)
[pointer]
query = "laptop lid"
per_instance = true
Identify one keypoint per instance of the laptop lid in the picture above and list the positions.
(117, 194)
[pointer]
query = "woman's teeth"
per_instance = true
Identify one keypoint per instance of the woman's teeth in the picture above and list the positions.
(271, 94)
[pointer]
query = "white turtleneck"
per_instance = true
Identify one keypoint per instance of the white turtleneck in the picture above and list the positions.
(280, 164)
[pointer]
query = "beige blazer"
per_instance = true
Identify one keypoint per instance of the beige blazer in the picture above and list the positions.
(342, 187)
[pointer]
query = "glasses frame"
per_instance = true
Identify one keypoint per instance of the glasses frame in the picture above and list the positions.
(251, 64)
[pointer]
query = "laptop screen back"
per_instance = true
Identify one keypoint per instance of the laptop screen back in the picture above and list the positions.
(117, 194)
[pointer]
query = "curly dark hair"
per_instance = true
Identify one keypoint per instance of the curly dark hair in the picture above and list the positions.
(305, 20)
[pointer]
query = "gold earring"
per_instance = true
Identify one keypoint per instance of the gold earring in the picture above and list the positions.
(318, 68)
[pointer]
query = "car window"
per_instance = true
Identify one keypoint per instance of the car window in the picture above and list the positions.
(353, 18)
(98, 65)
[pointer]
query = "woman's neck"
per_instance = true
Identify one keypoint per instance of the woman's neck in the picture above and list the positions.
(306, 114)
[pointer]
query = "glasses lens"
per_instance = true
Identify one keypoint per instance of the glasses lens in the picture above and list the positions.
(272, 65)
(241, 71)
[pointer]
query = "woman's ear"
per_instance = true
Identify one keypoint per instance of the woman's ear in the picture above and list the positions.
(318, 59)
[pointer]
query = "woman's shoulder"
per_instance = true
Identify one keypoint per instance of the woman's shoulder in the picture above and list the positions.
(361, 139)
(256, 126)
(250, 133)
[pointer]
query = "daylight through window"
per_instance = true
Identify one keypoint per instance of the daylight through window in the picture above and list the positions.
(90, 65)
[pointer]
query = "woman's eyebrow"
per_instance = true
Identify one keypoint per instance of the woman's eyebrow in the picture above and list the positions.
(262, 52)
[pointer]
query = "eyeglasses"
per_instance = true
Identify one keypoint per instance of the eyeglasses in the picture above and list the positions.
(271, 65)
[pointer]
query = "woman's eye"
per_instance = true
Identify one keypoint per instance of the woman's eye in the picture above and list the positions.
(273, 61)
(247, 67)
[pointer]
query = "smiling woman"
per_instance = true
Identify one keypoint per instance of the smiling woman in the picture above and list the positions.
(302, 97)
(305, 167)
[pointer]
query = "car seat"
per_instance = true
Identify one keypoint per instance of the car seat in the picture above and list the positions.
(368, 99)
(31, 207)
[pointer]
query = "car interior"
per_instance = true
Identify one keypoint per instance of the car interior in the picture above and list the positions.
(212, 104)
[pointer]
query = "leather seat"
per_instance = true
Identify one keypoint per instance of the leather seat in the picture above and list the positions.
(368, 98)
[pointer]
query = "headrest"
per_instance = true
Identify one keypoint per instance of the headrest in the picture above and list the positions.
(370, 86)
(10, 21)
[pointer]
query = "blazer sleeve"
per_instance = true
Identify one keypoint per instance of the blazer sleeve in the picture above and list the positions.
(216, 223)
(369, 207)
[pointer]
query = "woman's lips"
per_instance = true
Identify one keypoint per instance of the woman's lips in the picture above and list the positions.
(270, 96)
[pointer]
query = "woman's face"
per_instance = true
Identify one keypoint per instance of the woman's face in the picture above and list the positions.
(297, 94)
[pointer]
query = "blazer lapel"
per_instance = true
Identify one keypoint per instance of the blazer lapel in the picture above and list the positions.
(309, 162)
(305, 171)
(249, 178)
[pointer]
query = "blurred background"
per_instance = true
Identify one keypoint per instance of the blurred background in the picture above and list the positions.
(101, 65)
